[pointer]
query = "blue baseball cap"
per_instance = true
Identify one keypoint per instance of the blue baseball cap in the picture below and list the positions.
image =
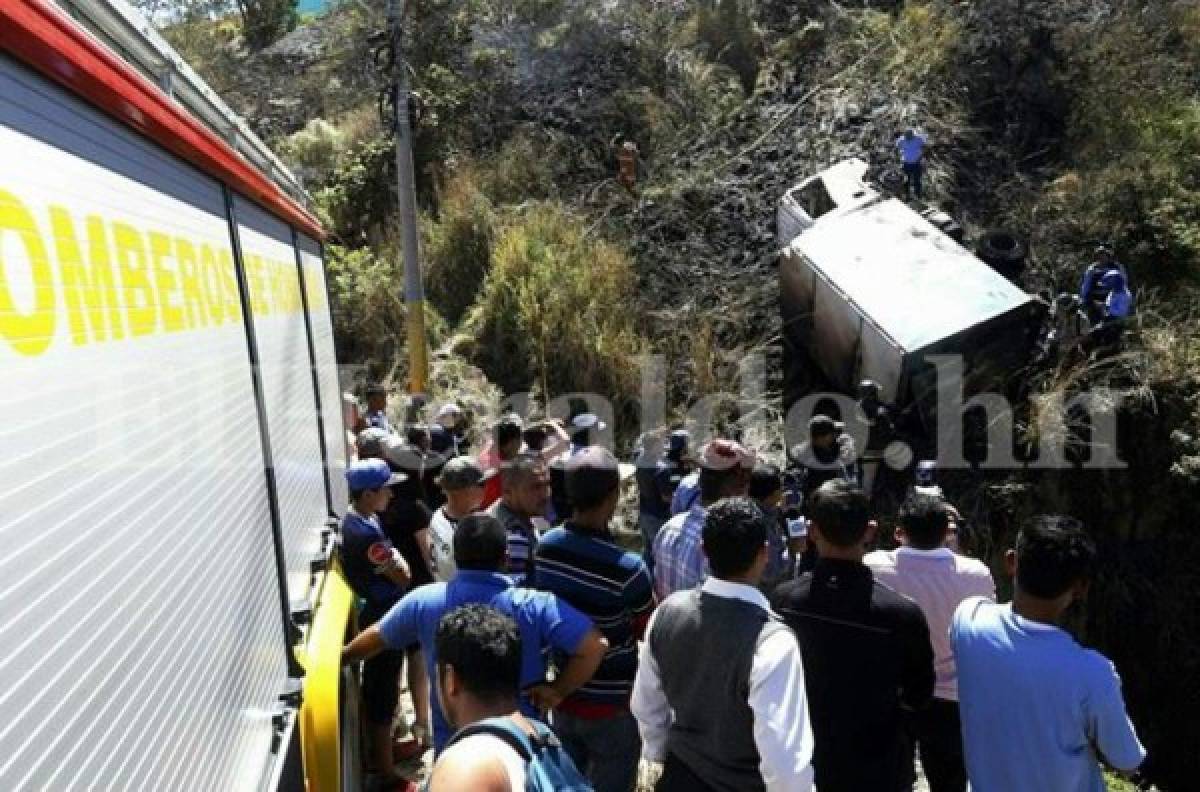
(371, 474)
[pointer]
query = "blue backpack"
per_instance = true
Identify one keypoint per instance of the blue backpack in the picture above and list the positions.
(548, 768)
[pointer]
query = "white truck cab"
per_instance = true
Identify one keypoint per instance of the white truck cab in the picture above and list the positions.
(838, 189)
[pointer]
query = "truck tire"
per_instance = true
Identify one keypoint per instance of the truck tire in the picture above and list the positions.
(891, 179)
(1004, 252)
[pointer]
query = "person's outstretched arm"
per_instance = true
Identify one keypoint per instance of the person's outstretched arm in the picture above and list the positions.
(365, 645)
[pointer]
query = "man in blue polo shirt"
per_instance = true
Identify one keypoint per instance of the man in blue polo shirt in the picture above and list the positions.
(546, 623)
(912, 154)
(1039, 710)
(581, 563)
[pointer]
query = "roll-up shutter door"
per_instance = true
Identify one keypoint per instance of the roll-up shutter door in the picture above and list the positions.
(142, 640)
(278, 312)
(327, 369)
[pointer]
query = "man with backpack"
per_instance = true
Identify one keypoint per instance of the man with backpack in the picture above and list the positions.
(496, 748)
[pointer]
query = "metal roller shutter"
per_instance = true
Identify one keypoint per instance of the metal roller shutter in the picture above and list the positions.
(327, 370)
(139, 603)
(277, 309)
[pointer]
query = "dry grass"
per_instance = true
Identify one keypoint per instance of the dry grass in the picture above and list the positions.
(457, 246)
(555, 311)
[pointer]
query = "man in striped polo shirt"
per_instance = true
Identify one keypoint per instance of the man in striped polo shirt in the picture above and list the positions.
(581, 564)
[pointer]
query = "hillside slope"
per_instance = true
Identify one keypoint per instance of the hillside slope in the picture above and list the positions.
(1070, 122)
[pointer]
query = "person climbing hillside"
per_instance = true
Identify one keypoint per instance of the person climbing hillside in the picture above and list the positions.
(627, 155)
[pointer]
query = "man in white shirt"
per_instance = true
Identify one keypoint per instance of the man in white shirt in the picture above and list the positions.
(462, 480)
(938, 580)
(703, 646)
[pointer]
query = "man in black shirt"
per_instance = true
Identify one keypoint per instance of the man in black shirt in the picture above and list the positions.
(406, 524)
(866, 649)
(828, 454)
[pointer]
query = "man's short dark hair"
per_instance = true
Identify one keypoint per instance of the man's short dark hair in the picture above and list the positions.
(535, 437)
(925, 520)
(506, 431)
(765, 481)
(714, 483)
(735, 530)
(519, 468)
(841, 511)
(589, 487)
(480, 543)
(1053, 554)
(483, 646)
(417, 435)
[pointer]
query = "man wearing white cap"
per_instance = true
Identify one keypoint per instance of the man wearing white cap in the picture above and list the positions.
(679, 562)
(451, 418)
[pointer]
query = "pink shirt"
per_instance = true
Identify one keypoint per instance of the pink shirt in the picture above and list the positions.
(937, 580)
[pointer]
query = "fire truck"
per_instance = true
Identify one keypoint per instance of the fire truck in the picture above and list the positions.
(172, 446)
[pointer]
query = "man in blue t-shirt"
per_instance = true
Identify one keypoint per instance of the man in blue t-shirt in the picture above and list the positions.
(379, 576)
(912, 154)
(546, 623)
(1038, 710)
(582, 563)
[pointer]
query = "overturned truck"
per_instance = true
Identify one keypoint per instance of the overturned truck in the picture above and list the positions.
(871, 289)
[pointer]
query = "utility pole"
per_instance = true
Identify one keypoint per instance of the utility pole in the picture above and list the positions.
(406, 191)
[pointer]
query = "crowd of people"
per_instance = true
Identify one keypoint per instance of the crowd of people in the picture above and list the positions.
(756, 642)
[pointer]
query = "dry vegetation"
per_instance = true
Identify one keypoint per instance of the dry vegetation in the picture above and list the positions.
(1070, 122)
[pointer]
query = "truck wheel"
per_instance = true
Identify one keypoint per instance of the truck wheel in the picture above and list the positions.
(1004, 252)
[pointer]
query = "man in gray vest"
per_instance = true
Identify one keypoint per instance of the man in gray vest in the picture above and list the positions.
(719, 695)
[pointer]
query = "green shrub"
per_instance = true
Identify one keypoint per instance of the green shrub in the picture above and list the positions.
(728, 33)
(555, 311)
(315, 147)
(457, 246)
(1135, 143)
(359, 198)
(367, 301)
(265, 21)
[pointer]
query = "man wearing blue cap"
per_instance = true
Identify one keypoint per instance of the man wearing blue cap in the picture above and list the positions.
(379, 575)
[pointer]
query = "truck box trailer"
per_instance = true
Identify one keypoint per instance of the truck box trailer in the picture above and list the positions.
(171, 426)
(872, 289)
